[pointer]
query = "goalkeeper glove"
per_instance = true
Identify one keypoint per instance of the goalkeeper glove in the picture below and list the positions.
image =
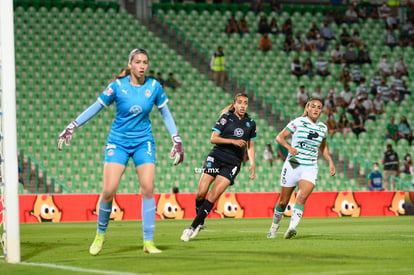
(66, 135)
(177, 152)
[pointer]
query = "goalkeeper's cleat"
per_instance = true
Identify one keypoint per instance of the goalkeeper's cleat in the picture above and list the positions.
(97, 244)
(197, 230)
(272, 231)
(187, 233)
(290, 233)
(150, 247)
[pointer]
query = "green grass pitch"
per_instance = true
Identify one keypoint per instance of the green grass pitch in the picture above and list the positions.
(369, 245)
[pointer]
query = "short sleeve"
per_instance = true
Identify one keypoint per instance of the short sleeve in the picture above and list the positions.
(292, 126)
(220, 123)
(253, 131)
(108, 95)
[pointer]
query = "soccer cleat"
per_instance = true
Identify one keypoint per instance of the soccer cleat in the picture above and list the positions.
(187, 233)
(272, 231)
(150, 247)
(97, 244)
(290, 233)
(197, 230)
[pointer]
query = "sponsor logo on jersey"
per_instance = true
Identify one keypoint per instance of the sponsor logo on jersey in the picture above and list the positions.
(124, 91)
(238, 132)
(135, 110)
(223, 121)
(247, 124)
(210, 159)
(147, 93)
(108, 91)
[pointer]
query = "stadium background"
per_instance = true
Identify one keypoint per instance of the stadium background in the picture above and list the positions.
(67, 51)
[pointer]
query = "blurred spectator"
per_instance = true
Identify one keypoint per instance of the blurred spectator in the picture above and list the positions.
(368, 105)
(308, 67)
(391, 129)
(363, 55)
(330, 102)
(289, 44)
(407, 164)
(268, 154)
(404, 130)
(217, 65)
(321, 44)
(299, 46)
(273, 27)
(356, 38)
(345, 97)
(331, 124)
(287, 27)
(175, 190)
(343, 125)
(400, 84)
(263, 26)
(302, 96)
(396, 96)
(373, 13)
(345, 74)
(391, 167)
(385, 90)
(322, 65)
(392, 23)
(358, 122)
(384, 10)
(375, 179)
(317, 93)
(351, 16)
(265, 44)
(345, 37)
(375, 83)
(400, 67)
(329, 17)
(336, 54)
(275, 6)
(350, 55)
(362, 12)
(21, 180)
(160, 80)
(390, 39)
(378, 104)
(243, 26)
(232, 25)
(296, 67)
(256, 6)
(384, 66)
(171, 81)
(327, 33)
(309, 42)
(356, 75)
(361, 89)
(151, 74)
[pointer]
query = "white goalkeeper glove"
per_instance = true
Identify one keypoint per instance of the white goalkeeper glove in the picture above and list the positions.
(66, 135)
(177, 151)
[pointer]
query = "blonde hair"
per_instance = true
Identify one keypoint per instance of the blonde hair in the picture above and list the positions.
(305, 111)
(231, 106)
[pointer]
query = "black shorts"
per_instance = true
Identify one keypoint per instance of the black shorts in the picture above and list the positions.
(213, 167)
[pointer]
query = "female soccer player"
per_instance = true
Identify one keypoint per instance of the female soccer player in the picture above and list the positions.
(233, 134)
(301, 167)
(130, 137)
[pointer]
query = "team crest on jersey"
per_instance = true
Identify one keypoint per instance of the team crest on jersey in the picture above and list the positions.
(223, 121)
(110, 152)
(135, 110)
(238, 132)
(108, 91)
(147, 93)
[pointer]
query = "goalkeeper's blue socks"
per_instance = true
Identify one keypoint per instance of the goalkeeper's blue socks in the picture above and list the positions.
(105, 209)
(148, 218)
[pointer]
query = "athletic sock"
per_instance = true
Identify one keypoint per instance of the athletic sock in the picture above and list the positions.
(202, 214)
(297, 213)
(198, 204)
(148, 218)
(277, 216)
(105, 209)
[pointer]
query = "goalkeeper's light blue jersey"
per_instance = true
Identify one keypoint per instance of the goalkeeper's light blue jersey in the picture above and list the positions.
(133, 106)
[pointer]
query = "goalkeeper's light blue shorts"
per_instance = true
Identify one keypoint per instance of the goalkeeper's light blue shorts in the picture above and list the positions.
(141, 153)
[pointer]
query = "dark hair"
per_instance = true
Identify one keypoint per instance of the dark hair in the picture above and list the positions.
(231, 106)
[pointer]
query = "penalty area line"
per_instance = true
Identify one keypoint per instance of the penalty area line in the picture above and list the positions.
(79, 269)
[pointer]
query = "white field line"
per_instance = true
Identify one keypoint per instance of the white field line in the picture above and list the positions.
(79, 269)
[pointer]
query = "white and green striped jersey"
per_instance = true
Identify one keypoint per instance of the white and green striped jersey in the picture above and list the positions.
(306, 138)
